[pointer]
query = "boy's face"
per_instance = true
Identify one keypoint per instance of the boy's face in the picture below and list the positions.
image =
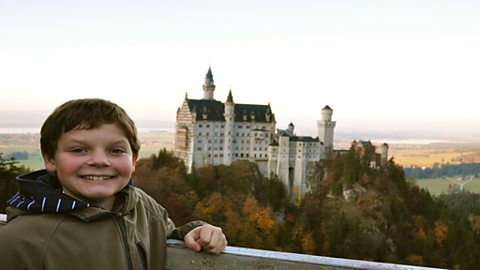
(93, 165)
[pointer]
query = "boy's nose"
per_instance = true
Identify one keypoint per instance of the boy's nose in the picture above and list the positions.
(99, 159)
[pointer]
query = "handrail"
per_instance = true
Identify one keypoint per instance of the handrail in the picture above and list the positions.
(233, 258)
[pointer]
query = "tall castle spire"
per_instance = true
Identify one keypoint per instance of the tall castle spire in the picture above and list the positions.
(208, 86)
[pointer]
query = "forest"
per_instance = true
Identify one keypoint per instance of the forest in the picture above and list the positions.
(440, 170)
(351, 211)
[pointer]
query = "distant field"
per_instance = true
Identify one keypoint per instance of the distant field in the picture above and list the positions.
(437, 186)
(425, 155)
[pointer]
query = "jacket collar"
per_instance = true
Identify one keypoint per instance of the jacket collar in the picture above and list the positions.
(40, 192)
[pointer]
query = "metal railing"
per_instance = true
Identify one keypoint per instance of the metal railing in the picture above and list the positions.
(234, 258)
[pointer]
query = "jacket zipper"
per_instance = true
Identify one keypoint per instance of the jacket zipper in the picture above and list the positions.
(123, 231)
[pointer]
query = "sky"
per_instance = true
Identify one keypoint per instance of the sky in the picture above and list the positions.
(380, 65)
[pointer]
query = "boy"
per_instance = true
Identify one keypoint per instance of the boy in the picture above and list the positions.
(83, 212)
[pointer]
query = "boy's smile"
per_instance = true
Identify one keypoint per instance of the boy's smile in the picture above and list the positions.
(93, 165)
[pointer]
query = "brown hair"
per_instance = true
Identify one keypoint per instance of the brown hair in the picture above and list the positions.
(85, 114)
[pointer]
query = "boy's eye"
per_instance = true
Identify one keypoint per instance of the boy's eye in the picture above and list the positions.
(78, 150)
(117, 151)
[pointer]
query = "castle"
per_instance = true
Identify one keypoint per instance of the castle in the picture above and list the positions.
(211, 132)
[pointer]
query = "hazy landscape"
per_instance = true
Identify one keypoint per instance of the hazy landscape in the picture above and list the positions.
(420, 151)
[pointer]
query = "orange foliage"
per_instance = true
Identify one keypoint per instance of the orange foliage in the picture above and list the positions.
(308, 244)
(419, 223)
(440, 232)
(291, 218)
(414, 259)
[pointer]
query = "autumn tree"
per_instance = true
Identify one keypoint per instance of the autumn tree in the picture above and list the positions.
(9, 170)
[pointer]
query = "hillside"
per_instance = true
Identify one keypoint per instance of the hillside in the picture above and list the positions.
(352, 211)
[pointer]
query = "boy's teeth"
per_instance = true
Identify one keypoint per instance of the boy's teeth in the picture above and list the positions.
(97, 178)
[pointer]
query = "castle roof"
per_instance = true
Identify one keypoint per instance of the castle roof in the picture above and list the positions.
(294, 138)
(215, 109)
(327, 108)
(209, 75)
(303, 139)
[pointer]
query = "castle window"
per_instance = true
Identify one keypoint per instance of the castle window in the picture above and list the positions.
(236, 155)
(200, 125)
(199, 148)
(222, 126)
(209, 148)
(221, 155)
(200, 134)
(207, 125)
(221, 148)
(209, 141)
(248, 126)
(240, 126)
(247, 155)
(254, 155)
(207, 134)
(221, 134)
(215, 155)
(241, 155)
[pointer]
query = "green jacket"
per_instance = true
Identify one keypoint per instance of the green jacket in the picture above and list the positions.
(133, 236)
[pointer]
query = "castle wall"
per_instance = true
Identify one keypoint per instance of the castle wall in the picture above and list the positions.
(184, 135)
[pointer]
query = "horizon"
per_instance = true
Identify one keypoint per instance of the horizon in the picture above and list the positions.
(408, 67)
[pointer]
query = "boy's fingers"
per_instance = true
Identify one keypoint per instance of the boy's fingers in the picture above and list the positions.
(190, 240)
(206, 237)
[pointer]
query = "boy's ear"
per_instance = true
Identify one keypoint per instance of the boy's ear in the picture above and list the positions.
(134, 160)
(49, 163)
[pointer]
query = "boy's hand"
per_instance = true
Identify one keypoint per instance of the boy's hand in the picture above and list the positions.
(206, 237)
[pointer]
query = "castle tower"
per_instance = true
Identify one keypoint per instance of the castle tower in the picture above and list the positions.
(291, 128)
(384, 153)
(325, 129)
(208, 87)
(229, 115)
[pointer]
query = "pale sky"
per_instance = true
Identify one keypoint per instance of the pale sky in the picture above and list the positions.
(380, 65)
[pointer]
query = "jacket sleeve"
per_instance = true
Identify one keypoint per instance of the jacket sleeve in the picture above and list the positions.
(180, 232)
(172, 231)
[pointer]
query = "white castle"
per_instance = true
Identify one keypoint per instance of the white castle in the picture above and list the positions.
(211, 132)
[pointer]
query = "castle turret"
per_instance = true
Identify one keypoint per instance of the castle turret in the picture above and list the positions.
(384, 153)
(229, 114)
(325, 129)
(209, 86)
(290, 129)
